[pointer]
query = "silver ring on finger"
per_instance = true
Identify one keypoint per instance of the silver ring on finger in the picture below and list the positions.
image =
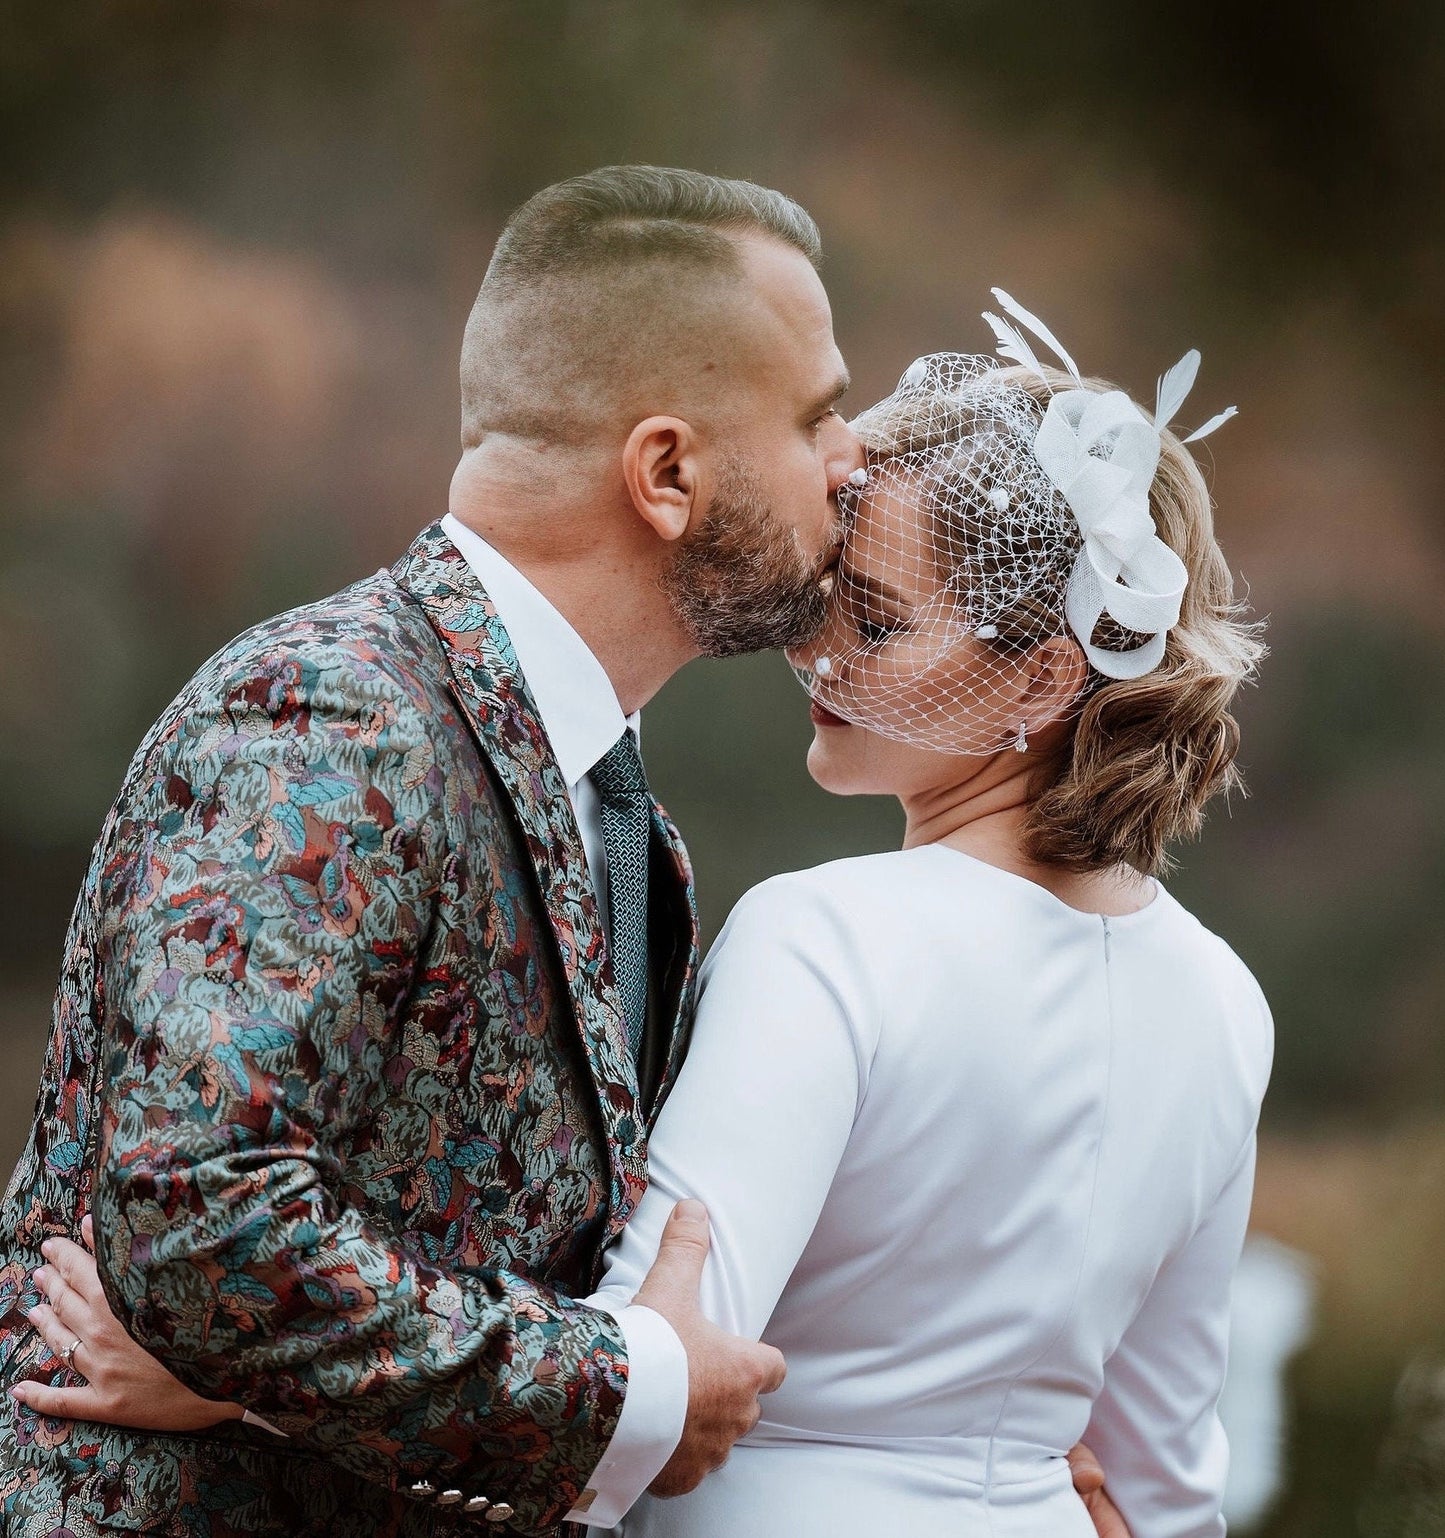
(68, 1355)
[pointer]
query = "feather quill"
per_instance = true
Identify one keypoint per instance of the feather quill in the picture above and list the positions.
(1011, 345)
(1174, 387)
(1212, 423)
(1013, 307)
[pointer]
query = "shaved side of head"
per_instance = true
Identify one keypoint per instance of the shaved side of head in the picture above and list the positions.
(614, 296)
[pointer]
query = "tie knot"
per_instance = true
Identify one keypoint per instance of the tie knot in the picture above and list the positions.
(619, 772)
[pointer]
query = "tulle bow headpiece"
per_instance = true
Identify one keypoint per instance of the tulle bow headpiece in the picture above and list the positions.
(1101, 451)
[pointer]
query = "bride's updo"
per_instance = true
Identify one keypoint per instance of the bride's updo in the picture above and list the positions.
(1029, 524)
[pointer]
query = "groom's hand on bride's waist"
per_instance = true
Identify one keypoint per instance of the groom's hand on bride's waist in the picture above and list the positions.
(725, 1374)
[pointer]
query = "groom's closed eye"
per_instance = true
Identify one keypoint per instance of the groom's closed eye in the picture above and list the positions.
(826, 405)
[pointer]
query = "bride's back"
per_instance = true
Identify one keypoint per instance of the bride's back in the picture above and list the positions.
(1052, 1102)
(970, 1155)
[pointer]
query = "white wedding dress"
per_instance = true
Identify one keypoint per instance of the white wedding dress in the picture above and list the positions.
(980, 1165)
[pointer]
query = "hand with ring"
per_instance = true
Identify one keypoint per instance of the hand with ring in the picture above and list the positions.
(121, 1383)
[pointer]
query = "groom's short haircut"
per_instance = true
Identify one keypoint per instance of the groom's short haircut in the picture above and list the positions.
(603, 288)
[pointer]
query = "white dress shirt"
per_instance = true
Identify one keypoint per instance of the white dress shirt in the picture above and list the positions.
(582, 718)
(979, 1165)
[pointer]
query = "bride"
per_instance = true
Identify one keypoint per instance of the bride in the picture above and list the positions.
(974, 1121)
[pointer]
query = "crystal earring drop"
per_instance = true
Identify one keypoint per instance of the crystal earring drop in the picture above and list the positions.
(823, 667)
(1021, 742)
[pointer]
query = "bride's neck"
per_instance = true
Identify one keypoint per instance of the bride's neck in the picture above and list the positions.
(986, 818)
(983, 819)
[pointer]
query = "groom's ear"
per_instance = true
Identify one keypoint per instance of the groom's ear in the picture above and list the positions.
(661, 468)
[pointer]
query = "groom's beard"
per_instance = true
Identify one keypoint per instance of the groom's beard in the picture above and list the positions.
(741, 582)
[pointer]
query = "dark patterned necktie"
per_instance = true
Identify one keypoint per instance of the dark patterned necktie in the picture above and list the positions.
(626, 828)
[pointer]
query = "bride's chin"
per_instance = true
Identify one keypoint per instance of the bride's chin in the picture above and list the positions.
(828, 767)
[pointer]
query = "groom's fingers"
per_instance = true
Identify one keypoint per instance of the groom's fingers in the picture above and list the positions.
(87, 1232)
(772, 1369)
(676, 1275)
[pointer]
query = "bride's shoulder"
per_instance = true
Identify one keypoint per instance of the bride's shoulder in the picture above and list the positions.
(1228, 977)
(853, 888)
(841, 912)
(822, 934)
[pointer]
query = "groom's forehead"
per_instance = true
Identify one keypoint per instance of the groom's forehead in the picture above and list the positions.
(788, 315)
(786, 283)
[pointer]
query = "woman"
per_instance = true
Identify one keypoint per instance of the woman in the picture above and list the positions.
(974, 1120)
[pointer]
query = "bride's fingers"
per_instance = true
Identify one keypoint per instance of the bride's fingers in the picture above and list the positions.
(75, 1402)
(68, 1306)
(87, 1232)
(56, 1334)
(76, 1267)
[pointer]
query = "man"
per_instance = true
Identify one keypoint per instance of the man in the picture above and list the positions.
(385, 958)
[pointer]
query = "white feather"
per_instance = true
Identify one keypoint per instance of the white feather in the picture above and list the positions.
(1039, 329)
(1174, 388)
(1011, 345)
(1212, 423)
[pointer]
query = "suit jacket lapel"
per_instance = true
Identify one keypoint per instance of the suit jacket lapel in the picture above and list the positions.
(493, 695)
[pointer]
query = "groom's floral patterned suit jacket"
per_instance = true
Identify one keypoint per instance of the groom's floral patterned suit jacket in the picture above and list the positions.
(339, 1064)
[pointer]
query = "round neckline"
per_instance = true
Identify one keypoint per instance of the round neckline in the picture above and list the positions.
(1014, 879)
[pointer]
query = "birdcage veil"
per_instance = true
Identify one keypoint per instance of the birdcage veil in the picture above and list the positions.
(1000, 559)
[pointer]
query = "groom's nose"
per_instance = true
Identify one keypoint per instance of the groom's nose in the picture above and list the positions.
(845, 454)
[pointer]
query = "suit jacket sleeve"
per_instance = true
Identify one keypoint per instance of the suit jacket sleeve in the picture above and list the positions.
(1155, 1427)
(272, 874)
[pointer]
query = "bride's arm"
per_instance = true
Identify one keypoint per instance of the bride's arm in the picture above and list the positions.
(762, 1110)
(1155, 1427)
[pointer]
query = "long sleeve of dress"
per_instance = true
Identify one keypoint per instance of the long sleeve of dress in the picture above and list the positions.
(762, 1110)
(1154, 1427)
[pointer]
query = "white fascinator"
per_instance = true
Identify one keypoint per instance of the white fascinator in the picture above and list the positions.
(1006, 504)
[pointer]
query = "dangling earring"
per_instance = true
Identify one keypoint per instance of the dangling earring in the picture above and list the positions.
(1021, 742)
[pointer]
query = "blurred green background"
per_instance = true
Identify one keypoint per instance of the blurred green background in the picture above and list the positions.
(237, 246)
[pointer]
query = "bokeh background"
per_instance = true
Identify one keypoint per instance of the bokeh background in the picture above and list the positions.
(237, 245)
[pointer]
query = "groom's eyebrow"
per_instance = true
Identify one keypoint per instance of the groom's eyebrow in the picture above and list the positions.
(827, 401)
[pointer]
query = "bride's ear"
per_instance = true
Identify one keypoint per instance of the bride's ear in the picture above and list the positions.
(661, 470)
(1054, 676)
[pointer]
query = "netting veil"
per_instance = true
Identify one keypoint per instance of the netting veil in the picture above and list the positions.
(1000, 558)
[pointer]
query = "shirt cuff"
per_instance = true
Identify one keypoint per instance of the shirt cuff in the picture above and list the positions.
(654, 1409)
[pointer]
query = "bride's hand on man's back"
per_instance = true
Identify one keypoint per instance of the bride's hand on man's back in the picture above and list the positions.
(122, 1384)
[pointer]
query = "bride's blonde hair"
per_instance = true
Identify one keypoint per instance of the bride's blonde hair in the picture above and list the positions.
(1144, 756)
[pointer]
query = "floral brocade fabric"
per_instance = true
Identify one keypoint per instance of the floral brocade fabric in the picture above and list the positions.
(339, 1065)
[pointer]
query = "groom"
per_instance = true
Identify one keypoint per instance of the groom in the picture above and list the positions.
(385, 958)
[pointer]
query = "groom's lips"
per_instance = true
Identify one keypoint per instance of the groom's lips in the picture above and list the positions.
(825, 717)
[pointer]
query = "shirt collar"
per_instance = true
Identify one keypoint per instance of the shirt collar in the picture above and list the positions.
(573, 694)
